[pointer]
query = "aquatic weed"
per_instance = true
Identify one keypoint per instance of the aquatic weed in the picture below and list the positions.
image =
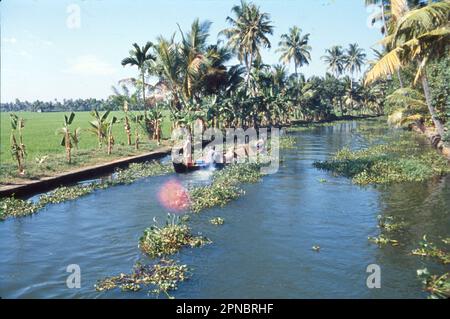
(217, 221)
(438, 286)
(168, 239)
(164, 276)
(428, 249)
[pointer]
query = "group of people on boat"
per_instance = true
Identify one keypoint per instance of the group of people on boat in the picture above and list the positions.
(215, 156)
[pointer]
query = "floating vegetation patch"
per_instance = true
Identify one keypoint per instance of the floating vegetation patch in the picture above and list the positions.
(224, 186)
(166, 240)
(428, 249)
(11, 207)
(383, 240)
(217, 221)
(64, 193)
(215, 194)
(141, 170)
(399, 161)
(437, 286)
(389, 223)
(287, 142)
(163, 276)
(247, 173)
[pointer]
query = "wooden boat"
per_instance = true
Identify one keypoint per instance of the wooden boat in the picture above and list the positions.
(182, 168)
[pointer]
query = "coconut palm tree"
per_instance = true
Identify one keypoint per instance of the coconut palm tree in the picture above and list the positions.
(294, 47)
(335, 60)
(248, 33)
(193, 54)
(355, 58)
(139, 57)
(421, 35)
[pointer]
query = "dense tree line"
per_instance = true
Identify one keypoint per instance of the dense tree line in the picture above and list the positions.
(68, 105)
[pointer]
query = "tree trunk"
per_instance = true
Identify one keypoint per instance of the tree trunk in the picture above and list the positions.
(426, 89)
(128, 130)
(143, 94)
(68, 146)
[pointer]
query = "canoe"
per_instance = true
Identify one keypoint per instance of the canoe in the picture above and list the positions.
(181, 168)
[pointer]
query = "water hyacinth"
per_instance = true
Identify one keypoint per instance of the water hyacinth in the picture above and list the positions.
(64, 193)
(382, 240)
(216, 194)
(217, 221)
(13, 207)
(398, 161)
(164, 276)
(224, 187)
(287, 142)
(160, 241)
(389, 223)
(428, 249)
(438, 286)
(137, 171)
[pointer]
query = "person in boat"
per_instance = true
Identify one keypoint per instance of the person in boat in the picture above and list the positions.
(187, 152)
(213, 156)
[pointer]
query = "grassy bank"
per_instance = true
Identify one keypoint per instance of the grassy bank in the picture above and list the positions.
(45, 155)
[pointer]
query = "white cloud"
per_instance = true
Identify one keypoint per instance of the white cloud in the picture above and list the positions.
(89, 65)
(11, 40)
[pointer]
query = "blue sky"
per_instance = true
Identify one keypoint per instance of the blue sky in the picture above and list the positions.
(45, 54)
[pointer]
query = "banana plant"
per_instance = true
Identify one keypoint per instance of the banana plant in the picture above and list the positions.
(138, 120)
(17, 146)
(155, 117)
(99, 126)
(69, 138)
(126, 122)
(110, 134)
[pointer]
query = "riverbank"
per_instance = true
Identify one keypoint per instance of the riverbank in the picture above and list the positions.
(431, 134)
(28, 187)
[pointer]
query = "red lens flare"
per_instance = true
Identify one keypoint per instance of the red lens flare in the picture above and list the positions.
(174, 196)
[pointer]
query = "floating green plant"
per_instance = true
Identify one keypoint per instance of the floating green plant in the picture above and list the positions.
(224, 186)
(322, 180)
(287, 142)
(389, 223)
(398, 161)
(428, 249)
(168, 239)
(382, 240)
(137, 171)
(64, 193)
(217, 221)
(438, 286)
(316, 248)
(13, 207)
(164, 276)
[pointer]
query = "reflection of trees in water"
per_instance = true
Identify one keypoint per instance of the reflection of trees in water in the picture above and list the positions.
(422, 206)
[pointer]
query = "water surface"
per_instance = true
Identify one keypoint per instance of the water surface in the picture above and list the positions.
(262, 251)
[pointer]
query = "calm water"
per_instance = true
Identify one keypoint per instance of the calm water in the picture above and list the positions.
(262, 250)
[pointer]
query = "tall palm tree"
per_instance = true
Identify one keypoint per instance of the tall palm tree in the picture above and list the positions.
(139, 57)
(354, 59)
(193, 49)
(335, 59)
(421, 35)
(248, 33)
(294, 46)
(168, 67)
